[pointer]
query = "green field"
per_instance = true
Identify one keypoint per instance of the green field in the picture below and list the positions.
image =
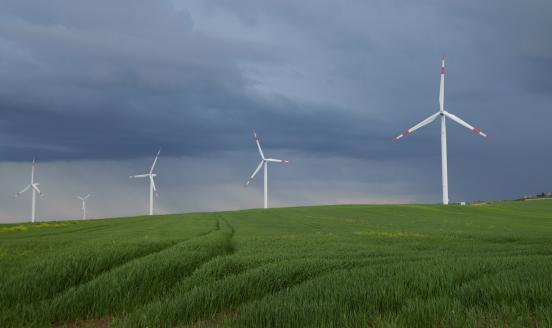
(330, 266)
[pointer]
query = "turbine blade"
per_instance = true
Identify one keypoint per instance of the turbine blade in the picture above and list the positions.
(277, 160)
(79, 197)
(466, 125)
(23, 190)
(417, 126)
(153, 185)
(254, 173)
(139, 176)
(258, 144)
(155, 161)
(442, 86)
(35, 187)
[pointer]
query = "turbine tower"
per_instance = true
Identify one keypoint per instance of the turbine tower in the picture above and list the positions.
(83, 199)
(264, 162)
(443, 114)
(152, 188)
(34, 188)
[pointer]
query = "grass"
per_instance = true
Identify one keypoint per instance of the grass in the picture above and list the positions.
(327, 266)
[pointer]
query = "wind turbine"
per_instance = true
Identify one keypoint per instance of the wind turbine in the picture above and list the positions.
(83, 199)
(443, 114)
(264, 162)
(150, 175)
(34, 187)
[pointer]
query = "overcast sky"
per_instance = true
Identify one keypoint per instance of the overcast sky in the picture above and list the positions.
(93, 88)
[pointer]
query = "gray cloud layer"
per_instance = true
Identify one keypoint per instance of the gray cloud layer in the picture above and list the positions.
(109, 80)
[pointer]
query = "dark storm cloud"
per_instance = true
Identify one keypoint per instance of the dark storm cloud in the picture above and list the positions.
(114, 80)
(117, 79)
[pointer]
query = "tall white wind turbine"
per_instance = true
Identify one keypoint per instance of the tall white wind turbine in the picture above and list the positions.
(83, 199)
(443, 114)
(34, 188)
(150, 175)
(264, 162)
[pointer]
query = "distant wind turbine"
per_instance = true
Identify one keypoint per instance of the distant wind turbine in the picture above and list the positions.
(443, 114)
(264, 162)
(150, 175)
(34, 187)
(83, 199)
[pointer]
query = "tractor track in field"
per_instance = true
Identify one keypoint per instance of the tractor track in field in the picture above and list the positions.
(168, 286)
(233, 309)
(118, 265)
(136, 258)
(380, 260)
(172, 244)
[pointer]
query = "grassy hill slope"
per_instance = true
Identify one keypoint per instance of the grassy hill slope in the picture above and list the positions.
(383, 266)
